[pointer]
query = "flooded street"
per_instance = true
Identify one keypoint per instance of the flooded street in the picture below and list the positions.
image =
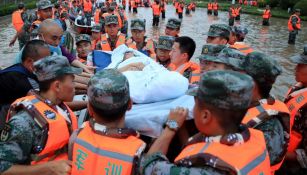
(271, 40)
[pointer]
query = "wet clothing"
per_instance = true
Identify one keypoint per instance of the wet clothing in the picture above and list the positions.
(294, 27)
(158, 164)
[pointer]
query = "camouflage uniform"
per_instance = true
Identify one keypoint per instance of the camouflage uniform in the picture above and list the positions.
(264, 71)
(108, 90)
(174, 23)
(221, 54)
(165, 43)
(111, 19)
(96, 28)
(298, 166)
(22, 136)
(83, 37)
(219, 30)
(232, 90)
(24, 37)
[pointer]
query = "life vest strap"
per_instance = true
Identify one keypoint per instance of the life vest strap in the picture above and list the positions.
(52, 155)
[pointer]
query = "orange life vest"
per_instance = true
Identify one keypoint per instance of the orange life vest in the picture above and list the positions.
(295, 101)
(298, 23)
(180, 8)
(105, 45)
(255, 116)
(133, 4)
(195, 74)
(156, 9)
(233, 13)
(266, 14)
(87, 6)
(149, 45)
(176, 5)
(215, 6)
(100, 154)
(210, 6)
(244, 48)
(163, 7)
(57, 129)
(120, 21)
(238, 10)
(97, 16)
(249, 158)
(17, 20)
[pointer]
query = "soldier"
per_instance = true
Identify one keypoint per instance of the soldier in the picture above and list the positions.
(109, 99)
(222, 146)
(239, 33)
(209, 8)
(181, 54)
(265, 113)
(44, 11)
(232, 14)
(156, 11)
(218, 34)
(139, 41)
(294, 25)
(113, 37)
(266, 16)
(163, 50)
(215, 7)
(173, 27)
(35, 138)
(96, 35)
(219, 57)
(83, 43)
(296, 159)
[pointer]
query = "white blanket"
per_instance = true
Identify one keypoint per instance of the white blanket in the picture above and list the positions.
(149, 119)
(154, 83)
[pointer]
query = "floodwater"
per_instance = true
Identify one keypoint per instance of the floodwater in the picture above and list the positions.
(271, 40)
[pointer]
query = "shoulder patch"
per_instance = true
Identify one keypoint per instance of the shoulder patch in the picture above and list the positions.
(5, 133)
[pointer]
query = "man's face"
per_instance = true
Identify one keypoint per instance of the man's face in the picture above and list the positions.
(45, 13)
(138, 35)
(96, 35)
(206, 66)
(163, 54)
(216, 40)
(175, 54)
(301, 73)
(112, 29)
(171, 32)
(52, 36)
(67, 88)
(84, 48)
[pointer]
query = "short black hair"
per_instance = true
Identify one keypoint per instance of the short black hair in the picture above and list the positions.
(186, 45)
(113, 114)
(44, 86)
(264, 89)
(240, 38)
(228, 119)
(31, 49)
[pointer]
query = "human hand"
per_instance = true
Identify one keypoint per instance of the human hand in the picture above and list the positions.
(61, 167)
(179, 115)
(89, 69)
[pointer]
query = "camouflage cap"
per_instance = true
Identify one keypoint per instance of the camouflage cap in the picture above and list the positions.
(108, 89)
(173, 23)
(165, 42)
(83, 37)
(224, 89)
(96, 28)
(219, 30)
(212, 49)
(21, 5)
(43, 4)
(261, 67)
(138, 24)
(240, 30)
(302, 58)
(111, 19)
(53, 66)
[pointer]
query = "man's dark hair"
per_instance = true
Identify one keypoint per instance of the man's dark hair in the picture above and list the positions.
(228, 119)
(111, 115)
(186, 45)
(31, 49)
(21, 6)
(240, 38)
(44, 86)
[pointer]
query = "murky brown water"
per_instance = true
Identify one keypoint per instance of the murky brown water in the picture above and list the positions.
(271, 40)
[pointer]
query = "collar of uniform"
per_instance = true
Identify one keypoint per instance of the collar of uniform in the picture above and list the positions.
(112, 132)
(229, 139)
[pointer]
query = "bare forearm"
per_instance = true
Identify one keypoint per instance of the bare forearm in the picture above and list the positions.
(163, 142)
(77, 105)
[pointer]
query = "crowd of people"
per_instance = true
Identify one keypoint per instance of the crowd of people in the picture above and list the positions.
(235, 127)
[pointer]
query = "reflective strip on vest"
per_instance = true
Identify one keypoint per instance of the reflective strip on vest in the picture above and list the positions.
(105, 153)
(250, 166)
